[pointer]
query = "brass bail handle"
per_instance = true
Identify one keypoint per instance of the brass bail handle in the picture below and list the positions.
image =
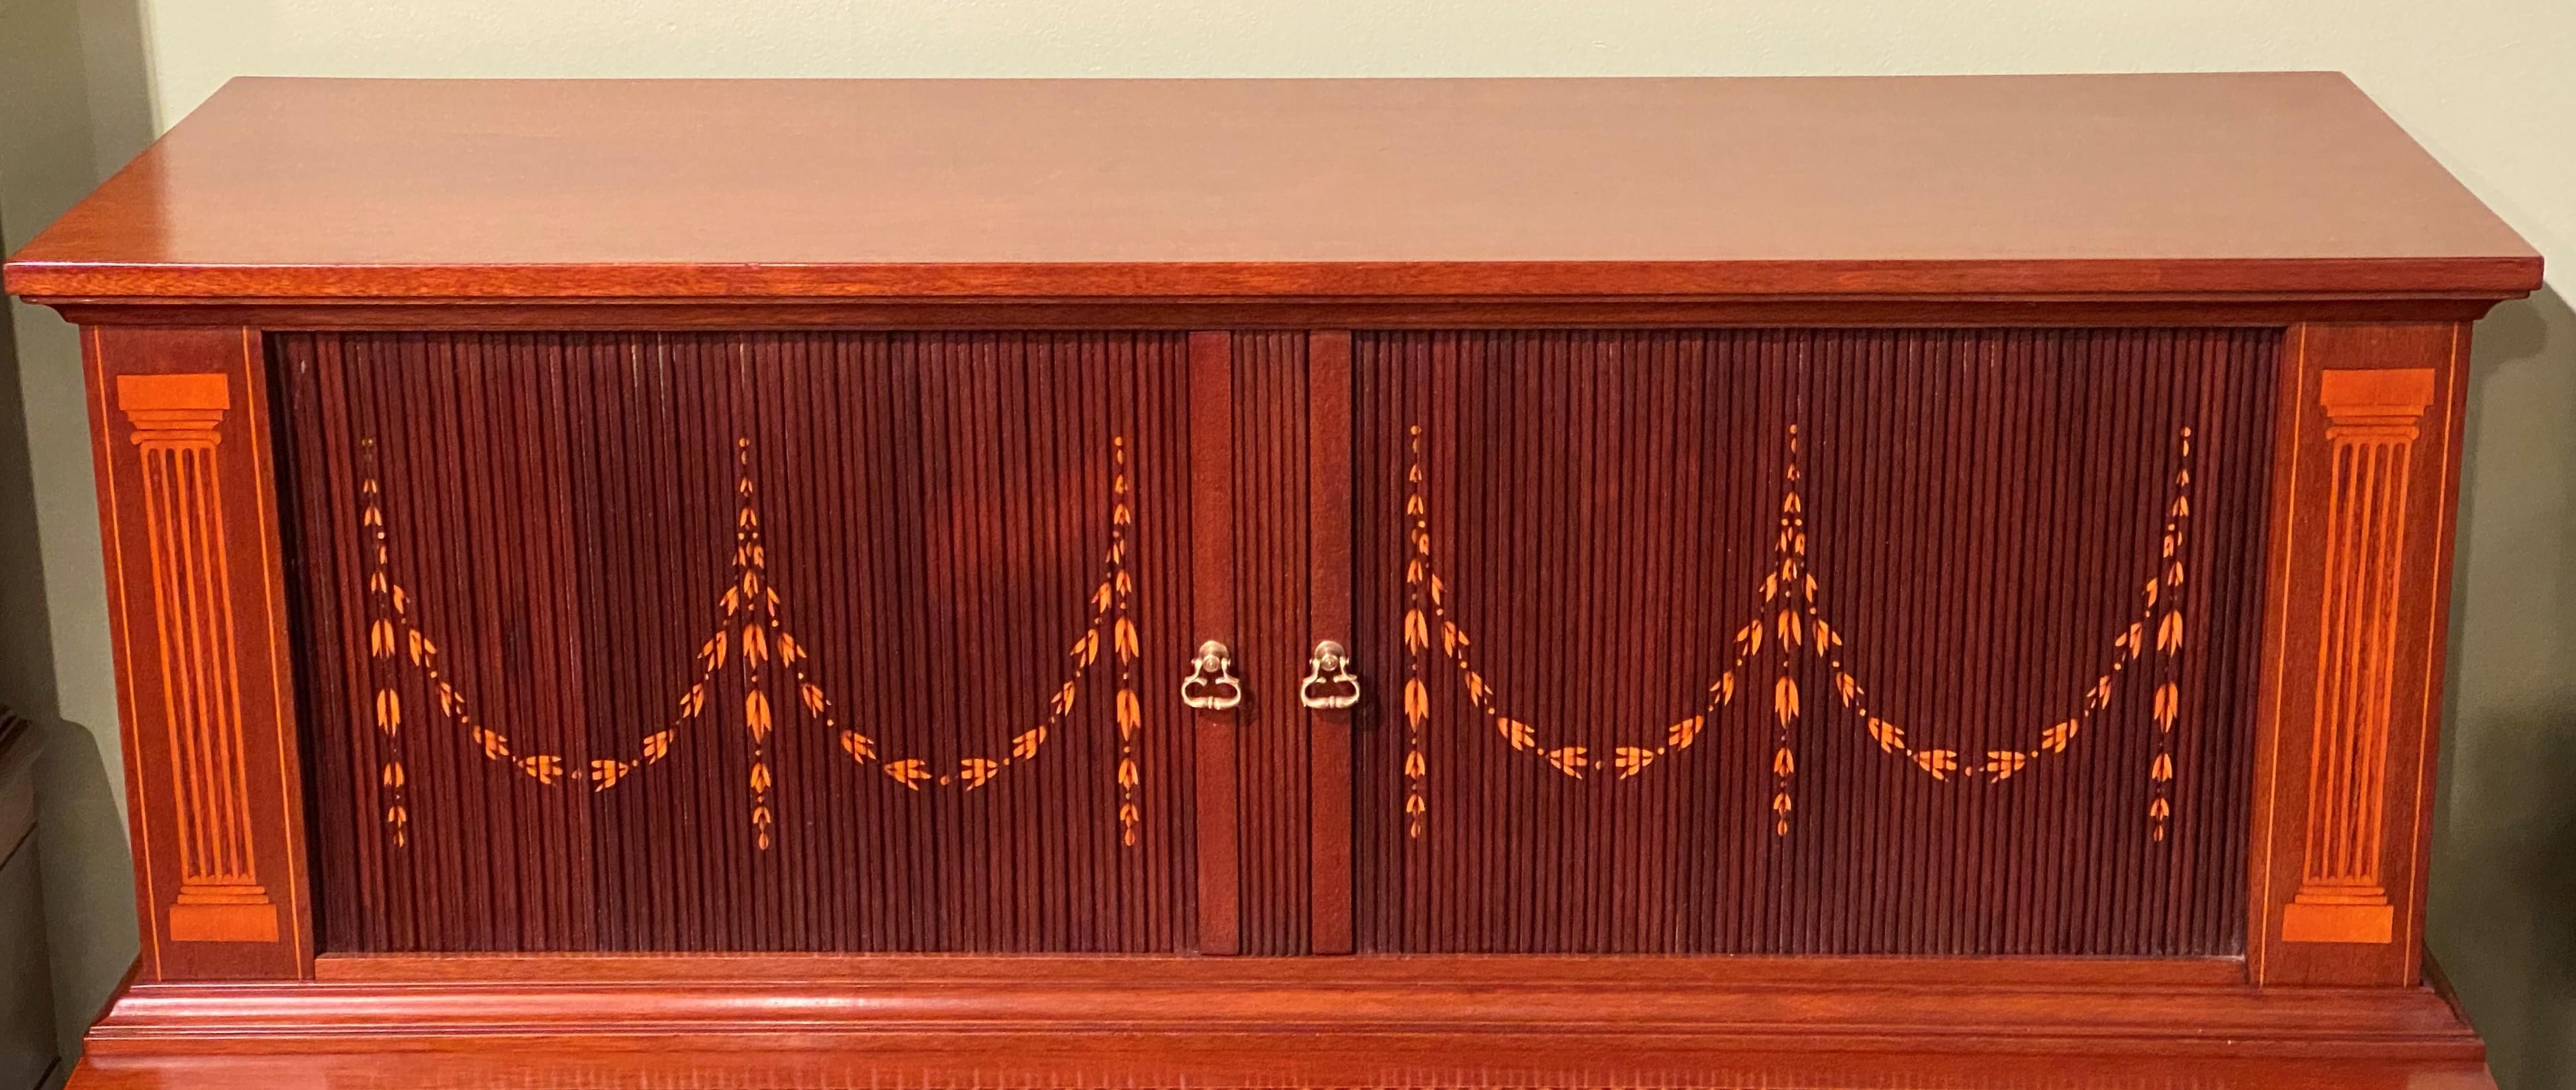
(1330, 684)
(1211, 685)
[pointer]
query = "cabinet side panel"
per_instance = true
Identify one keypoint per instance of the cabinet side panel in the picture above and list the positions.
(1810, 642)
(180, 422)
(710, 642)
(2360, 577)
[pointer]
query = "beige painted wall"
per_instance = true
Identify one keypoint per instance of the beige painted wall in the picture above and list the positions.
(2488, 85)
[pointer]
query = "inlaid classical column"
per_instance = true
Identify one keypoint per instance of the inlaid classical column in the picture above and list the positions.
(2360, 561)
(173, 420)
(2373, 419)
(199, 623)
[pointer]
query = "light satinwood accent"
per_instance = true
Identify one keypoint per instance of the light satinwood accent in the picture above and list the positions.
(751, 618)
(2372, 422)
(793, 642)
(174, 420)
(1793, 625)
(1959, 637)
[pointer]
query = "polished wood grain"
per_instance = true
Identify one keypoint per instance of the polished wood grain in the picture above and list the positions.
(2363, 501)
(1273, 505)
(942, 776)
(2219, 973)
(1216, 786)
(1329, 617)
(181, 428)
(174, 422)
(2024, 186)
(1283, 1007)
(1607, 754)
(1114, 1068)
(1852, 582)
(2373, 419)
(2269, 309)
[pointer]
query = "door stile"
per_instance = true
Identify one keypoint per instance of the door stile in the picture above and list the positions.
(1328, 453)
(1211, 374)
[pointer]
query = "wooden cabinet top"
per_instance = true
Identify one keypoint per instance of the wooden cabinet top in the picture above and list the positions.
(2036, 187)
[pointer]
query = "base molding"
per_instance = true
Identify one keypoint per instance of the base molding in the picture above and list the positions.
(905, 1012)
(575, 1068)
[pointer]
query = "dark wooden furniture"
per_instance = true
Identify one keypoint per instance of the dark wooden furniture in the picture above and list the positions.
(28, 1034)
(1698, 582)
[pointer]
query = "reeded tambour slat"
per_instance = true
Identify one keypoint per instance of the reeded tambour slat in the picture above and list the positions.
(934, 695)
(1907, 714)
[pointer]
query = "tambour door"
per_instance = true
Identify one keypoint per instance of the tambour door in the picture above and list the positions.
(828, 641)
(1805, 641)
(1270, 430)
(1868, 641)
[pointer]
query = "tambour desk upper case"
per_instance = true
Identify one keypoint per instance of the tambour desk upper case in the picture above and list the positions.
(1427, 582)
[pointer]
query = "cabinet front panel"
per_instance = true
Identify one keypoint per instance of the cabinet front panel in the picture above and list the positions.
(1868, 641)
(827, 641)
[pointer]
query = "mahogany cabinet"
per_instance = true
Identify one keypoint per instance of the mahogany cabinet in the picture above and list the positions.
(1517, 582)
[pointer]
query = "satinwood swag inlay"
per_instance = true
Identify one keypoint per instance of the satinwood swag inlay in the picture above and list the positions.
(1425, 646)
(1795, 627)
(832, 641)
(749, 618)
(1808, 641)
(735, 608)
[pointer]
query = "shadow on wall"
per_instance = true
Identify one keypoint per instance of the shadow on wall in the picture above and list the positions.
(2503, 914)
(74, 75)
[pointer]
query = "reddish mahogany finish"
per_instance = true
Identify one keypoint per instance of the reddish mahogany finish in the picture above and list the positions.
(2051, 186)
(1978, 510)
(1904, 582)
(1228, 1068)
(931, 565)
